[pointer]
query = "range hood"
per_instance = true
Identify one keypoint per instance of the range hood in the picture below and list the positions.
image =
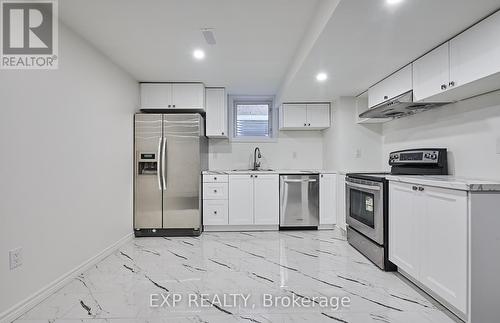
(399, 106)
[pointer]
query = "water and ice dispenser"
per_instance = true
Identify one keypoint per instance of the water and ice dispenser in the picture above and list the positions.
(148, 164)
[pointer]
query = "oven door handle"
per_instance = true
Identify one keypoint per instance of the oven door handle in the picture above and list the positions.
(366, 187)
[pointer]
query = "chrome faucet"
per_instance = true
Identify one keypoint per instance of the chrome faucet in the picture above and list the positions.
(256, 165)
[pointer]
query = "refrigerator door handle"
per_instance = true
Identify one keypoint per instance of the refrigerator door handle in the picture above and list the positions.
(158, 170)
(163, 164)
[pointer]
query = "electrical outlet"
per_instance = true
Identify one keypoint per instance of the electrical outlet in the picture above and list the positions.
(16, 258)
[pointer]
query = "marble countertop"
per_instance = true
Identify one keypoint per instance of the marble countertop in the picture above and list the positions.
(449, 181)
(274, 171)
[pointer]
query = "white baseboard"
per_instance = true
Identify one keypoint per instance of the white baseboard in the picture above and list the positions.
(30, 302)
(232, 228)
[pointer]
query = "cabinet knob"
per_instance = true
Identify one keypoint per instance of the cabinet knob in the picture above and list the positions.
(321, 175)
(174, 105)
(215, 178)
(420, 188)
(452, 83)
(222, 133)
(169, 105)
(414, 188)
(309, 124)
(305, 124)
(443, 87)
(255, 175)
(386, 97)
(251, 175)
(215, 191)
(215, 212)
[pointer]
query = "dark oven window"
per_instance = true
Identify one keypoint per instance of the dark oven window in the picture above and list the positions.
(362, 207)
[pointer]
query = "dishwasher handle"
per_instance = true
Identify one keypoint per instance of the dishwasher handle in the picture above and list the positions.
(299, 180)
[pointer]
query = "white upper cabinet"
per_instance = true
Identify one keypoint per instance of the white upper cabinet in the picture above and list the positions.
(293, 115)
(156, 95)
(318, 115)
(431, 73)
(394, 85)
(216, 112)
(188, 96)
(304, 116)
(173, 96)
(475, 54)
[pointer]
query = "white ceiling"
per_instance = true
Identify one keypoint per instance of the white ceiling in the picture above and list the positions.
(154, 39)
(259, 41)
(366, 40)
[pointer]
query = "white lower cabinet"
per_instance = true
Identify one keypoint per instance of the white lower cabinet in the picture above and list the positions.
(254, 199)
(428, 238)
(327, 199)
(215, 212)
(266, 199)
(241, 199)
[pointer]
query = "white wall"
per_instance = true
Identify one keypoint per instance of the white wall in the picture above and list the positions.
(292, 150)
(66, 140)
(469, 129)
(345, 139)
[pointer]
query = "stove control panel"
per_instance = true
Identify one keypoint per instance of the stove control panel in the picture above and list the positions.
(414, 157)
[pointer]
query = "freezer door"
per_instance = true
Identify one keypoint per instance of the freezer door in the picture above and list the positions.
(182, 158)
(299, 200)
(147, 173)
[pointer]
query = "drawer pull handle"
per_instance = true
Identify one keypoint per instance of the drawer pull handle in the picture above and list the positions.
(215, 212)
(215, 178)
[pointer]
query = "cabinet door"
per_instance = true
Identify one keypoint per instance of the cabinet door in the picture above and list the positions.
(215, 212)
(327, 198)
(475, 53)
(156, 95)
(443, 266)
(241, 199)
(394, 85)
(294, 115)
(188, 96)
(431, 73)
(216, 109)
(404, 227)
(318, 115)
(266, 199)
(341, 207)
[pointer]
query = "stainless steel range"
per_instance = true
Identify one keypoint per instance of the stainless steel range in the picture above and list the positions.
(367, 200)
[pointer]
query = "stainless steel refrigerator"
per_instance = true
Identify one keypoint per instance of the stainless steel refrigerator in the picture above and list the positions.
(170, 153)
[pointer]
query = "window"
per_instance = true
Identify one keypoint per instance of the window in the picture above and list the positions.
(252, 119)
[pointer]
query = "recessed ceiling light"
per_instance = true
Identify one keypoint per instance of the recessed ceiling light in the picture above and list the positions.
(321, 77)
(393, 1)
(199, 54)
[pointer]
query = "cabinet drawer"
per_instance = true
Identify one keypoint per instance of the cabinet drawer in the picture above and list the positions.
(215, 212)
(215, 191)
(215, 178)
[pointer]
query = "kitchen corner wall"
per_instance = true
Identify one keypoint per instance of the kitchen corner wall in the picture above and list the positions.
(291, 150)
(66, 140)
(470, 130)
(349, 146)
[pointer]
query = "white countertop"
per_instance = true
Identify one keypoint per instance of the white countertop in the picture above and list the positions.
(449, 181)
(274, 171)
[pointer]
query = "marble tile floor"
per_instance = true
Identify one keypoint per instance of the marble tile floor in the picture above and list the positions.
(316, 268)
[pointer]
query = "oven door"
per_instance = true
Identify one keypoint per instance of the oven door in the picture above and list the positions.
(364, 207)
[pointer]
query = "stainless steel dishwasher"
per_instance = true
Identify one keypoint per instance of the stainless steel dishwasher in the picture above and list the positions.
(299, 201)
